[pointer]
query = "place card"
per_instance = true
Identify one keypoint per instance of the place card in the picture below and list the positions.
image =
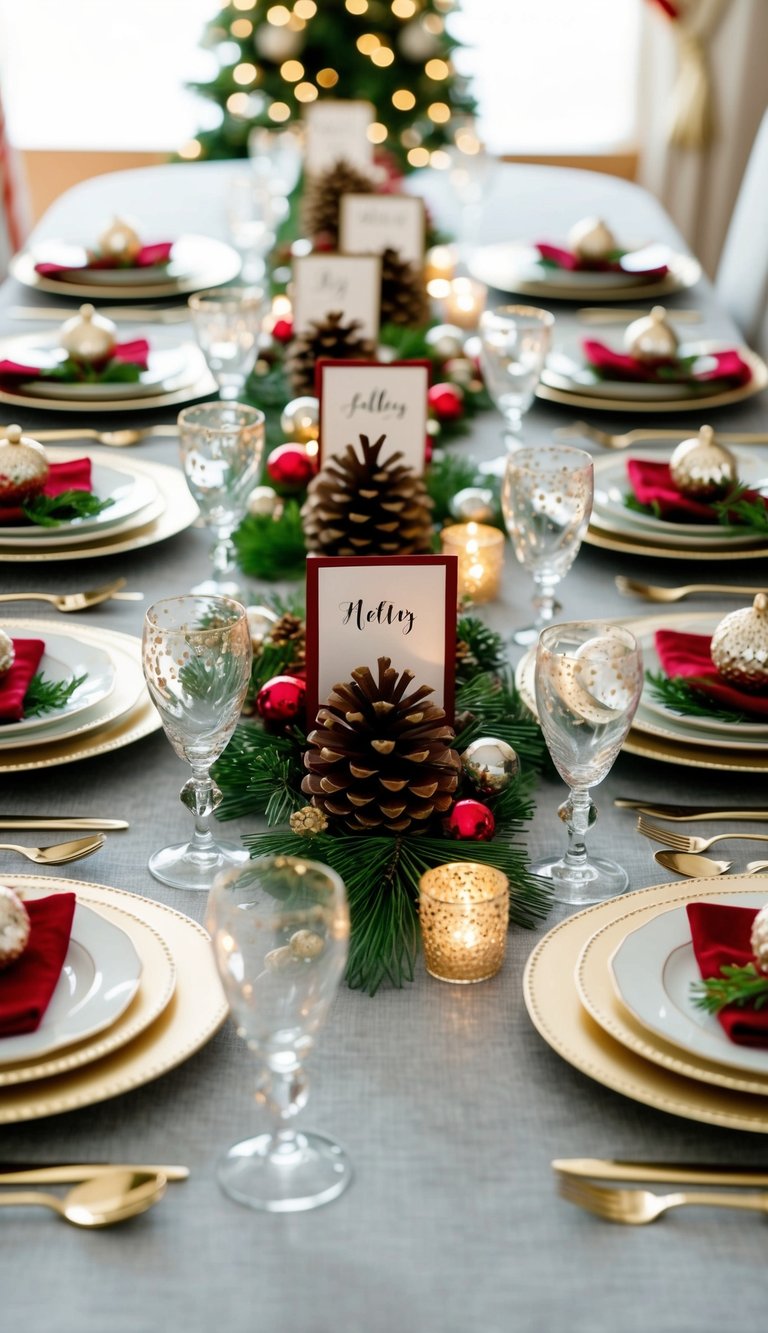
(369, 224)
(347, 284)
(361, 608)
(337, 131)
(365, 398)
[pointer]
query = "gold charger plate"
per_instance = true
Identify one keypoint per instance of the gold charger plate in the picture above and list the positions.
(158, 978)
(598, 996)
(201, 385)
(552, 1000)
(179, 511)
(595, 403)
(221, 265)
(195, 1012)
(495, 265)
(631, 545)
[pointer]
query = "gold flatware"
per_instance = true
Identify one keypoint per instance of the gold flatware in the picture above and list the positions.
(661, 1173)
(135, 314)
(677, 813)
(69, 601)
(77, 1171)
(60, 822)
(99, 1202)
(639, 1207)
(597, 314)
(114, 439)
(685, 843)
(582, 430)
(691, 865)
(651, 592)
(58, 853)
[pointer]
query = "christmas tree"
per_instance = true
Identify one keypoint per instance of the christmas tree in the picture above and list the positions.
(274, 59)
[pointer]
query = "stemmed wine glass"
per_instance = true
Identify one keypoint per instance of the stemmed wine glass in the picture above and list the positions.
(221, 445)
(280, 931)
(514, 341)
(228, 323)
(589, 677)
(546, 500)
(196, 656)
(253, 216)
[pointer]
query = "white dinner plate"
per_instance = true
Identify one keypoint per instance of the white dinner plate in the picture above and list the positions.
(514, 267)
(100, 977)
(64, 658)
(653, 970)
(165, 369)
(197, 262)
(130, 493)
(567, 371)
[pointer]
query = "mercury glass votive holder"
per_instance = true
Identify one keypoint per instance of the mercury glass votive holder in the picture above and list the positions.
(464, 914)
(480, 549)
(465, 302)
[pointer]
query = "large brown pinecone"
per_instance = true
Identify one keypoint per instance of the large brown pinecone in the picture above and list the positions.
(328, 337)
(322, 199)
(403, 291)
(381, 759)
(359, 505)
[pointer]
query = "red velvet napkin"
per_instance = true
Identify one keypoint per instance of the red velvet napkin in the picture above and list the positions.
(729, 368)
(555, 254)
(15, 683)
(721, 935)
(652, 484)
(133, 353)
(74, 475)
(27, 985)
(688, 655)
(148, 256)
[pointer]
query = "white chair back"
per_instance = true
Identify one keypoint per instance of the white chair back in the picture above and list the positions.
(742, 275)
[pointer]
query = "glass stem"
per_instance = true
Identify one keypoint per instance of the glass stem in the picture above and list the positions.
(544, 602)
(579, 814)
(283, 1090)
(201, 796)
(513, 430)
(223, 552)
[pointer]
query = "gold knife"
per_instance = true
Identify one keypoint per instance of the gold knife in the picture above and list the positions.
(63, 821)
(686, 812)
(660, 1173)
(75, 1172)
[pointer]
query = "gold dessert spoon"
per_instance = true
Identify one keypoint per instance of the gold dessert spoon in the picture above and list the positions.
(57, 853)
(98, 1202)
(689, 863)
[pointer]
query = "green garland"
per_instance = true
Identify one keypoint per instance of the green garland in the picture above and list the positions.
(43, 696)
(680, 694)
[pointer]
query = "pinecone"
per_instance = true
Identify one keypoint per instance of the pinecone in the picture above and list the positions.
(322, 198)
(403, 291)
(289, 630)
(358, 505)
(324, 338)
(381, 759)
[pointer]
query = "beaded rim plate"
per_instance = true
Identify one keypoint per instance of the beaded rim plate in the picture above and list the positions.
(596, 403)
(513, 268)
(202, 262)
(197, 382)
(637, 544)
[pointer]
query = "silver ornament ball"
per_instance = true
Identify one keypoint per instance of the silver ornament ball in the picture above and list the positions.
(261, 619)
(490, 764)
(473, 504)
(263, 502)
(446, 341)
(300, 419)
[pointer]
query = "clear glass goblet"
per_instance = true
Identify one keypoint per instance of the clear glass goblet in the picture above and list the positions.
(589, 677)
(196, 655)
(253, 216)
(276, 156)
(221, 446)
(546, 500)
(228, 324)
(514, 342)
(280, 931)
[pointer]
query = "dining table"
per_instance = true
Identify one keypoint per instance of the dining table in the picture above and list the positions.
(450, 1105)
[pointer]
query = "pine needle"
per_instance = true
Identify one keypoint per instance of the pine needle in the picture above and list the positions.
(44, 696)
(48, 511)
(678, 694)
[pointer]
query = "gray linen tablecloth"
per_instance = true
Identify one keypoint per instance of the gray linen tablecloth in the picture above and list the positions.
(448, 1102)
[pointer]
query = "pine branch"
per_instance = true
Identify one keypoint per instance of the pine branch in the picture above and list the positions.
(249, 752)
(44, 696)
(76, 372)
(485, 645)
(736, 510)
(272, 548)
(736, 985)
(637, 507)
(677, 693)
(48, 511)
(498, 710)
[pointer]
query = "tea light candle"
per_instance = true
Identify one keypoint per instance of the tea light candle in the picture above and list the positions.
(440, 263)
(464, 913)
(465, 302)
(480, 549)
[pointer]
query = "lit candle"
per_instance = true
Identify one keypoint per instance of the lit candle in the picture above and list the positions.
(480, 549)
(465, 302)
(440, 263)
(464, 913)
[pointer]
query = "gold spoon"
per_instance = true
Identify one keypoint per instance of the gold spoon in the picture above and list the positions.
(57, 853)
(689, 863)
(99, 1202)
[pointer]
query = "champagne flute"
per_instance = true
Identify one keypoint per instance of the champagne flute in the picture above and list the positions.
(196, 656)
(221, 445)
(589, 677)
(546, 500)
(514, 341)
(227, 323)
(280, 932)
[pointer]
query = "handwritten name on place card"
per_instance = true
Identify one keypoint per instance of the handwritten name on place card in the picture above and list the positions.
(371, 224)
(364, 398)
(349, 284)
(385, 613)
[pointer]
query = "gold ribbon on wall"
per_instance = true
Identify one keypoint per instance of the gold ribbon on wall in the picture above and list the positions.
(692, 121)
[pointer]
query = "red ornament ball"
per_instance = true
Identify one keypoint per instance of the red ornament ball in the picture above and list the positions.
(446, 401)
(290, 467)
(281, 699)
(471, 820)
(282, 330)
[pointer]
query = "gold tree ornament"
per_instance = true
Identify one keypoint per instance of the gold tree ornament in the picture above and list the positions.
(322, 199)
(702, 467)
(591, 239)
(381, 758)
(23, 466)
(651, 338)
(403, 291)
(739, 647)
(329, 338)
(362, 504)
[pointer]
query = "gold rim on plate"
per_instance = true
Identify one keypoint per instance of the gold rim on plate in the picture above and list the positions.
(607, 541)
(227, 266)
(195, 1012)
(158, 978)
(596, 403)
(201, 385)
(552, 1000)
(487, 260)
(598, 995)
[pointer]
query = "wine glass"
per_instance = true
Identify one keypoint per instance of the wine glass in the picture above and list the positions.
(514, 341)
(227, 324)
(276, 156)
(253, 216)
(589, 677)
(221, 445)
(196, 656)
(546, 500)
(280, 931)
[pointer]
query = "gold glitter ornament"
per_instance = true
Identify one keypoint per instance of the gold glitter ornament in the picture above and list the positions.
(7, 653)
(120, 241)
(306, 944)
(23, 467)
(759, 940)
(702, 467)
(264, 502)
(592, 239)
(739, 647)
(88, 337)
(651, 338)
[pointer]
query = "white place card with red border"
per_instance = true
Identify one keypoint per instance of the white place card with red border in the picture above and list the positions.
(328, 283)
(366, 398)
(361, 608)
(369, 224)
(337, 131)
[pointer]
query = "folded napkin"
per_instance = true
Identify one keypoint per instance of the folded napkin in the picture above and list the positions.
(721, 936)
(652, 483)
(27, 985)
(129, 354)
(554, 254)
(729, 368)
(148, 256)
(688, 655)
(15, 683)
(72, 476)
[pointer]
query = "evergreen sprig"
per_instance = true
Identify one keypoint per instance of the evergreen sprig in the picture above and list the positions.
(272, 548)
(737, 985)
(77, 372)
(737, 510)
(485, 645)
(44, 696)
(679, 694)
(496, 709)
(49, 511)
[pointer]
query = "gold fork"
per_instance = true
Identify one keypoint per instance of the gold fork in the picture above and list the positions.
(114, 439)
(651, 592)
(70, 601)
(57, 853)
(583, 430)
(636, 1208)
(681, 843)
